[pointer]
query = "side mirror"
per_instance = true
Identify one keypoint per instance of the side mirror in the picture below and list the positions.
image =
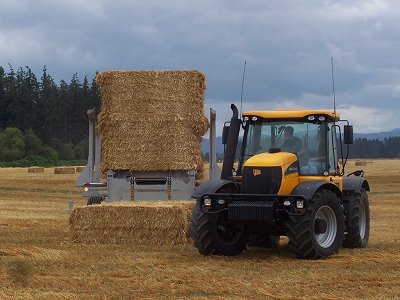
(348, 134)
(225, 131)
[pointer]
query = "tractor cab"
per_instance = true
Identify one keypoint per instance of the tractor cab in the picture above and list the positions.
(310, 135)
(300, 143)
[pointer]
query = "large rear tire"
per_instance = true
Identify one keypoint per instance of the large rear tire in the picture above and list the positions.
(357, 233)
(319, 232)
(214, 234)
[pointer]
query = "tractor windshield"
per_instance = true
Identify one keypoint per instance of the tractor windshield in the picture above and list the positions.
(311, 142)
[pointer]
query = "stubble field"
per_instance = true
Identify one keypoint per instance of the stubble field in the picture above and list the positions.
(37, 261)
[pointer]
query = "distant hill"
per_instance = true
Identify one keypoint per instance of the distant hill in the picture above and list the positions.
(380, 135)
(205, 145)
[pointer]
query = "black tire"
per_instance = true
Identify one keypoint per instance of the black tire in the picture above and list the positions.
(357, 234)
(94, 200)
(319, 232)
(214, 234)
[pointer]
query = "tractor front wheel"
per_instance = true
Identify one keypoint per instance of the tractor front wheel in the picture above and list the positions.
(319, 232)
(215, 234)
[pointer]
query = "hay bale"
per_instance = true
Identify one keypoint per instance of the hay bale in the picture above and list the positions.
(64, 170)
(35, 170)
(79, 169)
(360, 163)
(151, 120)
(144, 223)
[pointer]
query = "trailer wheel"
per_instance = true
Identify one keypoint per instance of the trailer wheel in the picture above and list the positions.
(214, 234)
(357, 233)
(319, 232)
(95, 200)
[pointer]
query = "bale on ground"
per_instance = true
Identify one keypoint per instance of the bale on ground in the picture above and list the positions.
(360, 163)
(64, 170)
(151, 120)
(35, 170)
(142, 223)
(79, 169)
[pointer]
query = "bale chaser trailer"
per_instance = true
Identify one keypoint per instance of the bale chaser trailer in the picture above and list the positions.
(146, 139)
(288, 183)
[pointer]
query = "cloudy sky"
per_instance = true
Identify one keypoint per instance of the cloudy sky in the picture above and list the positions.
(288, 47)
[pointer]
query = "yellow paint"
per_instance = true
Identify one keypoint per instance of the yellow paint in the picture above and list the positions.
(287, 114)
(335, 179)
(271, 159)
(289, 182)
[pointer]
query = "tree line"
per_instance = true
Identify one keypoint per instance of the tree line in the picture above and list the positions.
(39, 117)
(42, 122)
(374, 148)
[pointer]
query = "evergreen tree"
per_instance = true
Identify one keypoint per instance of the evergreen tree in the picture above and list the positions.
(3, 100)
(47, 108)
(74, 109)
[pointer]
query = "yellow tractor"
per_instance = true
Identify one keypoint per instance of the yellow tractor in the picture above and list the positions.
(288, 182)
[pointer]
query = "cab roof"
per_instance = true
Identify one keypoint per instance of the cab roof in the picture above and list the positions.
(293, 114)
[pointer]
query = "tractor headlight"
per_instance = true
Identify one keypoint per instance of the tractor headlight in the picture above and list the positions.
(299, 203)
(221, 201)
(207, 202)
(86, 189)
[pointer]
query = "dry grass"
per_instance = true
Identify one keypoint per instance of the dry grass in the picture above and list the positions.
(37, 261)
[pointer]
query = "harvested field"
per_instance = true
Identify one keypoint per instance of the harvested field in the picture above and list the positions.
(38, 261)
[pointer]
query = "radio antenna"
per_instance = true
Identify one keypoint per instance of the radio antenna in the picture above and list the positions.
(333, 88)
(241, 93)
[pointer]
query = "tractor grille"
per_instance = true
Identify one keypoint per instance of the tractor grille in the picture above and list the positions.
(261, 180)
(251, 210)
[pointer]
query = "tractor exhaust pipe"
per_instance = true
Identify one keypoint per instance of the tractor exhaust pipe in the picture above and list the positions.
(231, 144)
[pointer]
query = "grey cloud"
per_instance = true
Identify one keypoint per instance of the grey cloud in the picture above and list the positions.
(287, 45)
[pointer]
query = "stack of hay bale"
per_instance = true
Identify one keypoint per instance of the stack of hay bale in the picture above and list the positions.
(149, 121)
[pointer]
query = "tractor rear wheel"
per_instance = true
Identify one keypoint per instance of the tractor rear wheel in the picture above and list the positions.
(214, 234)
(319, 232)
(357, 233)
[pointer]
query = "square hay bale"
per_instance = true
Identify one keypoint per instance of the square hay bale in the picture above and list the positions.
(141, 223)
(35, 170)
(360, 163)
(79, 169)
(64, 170)
(151, 120)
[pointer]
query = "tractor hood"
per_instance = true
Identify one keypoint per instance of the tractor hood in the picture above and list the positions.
(278, 159)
